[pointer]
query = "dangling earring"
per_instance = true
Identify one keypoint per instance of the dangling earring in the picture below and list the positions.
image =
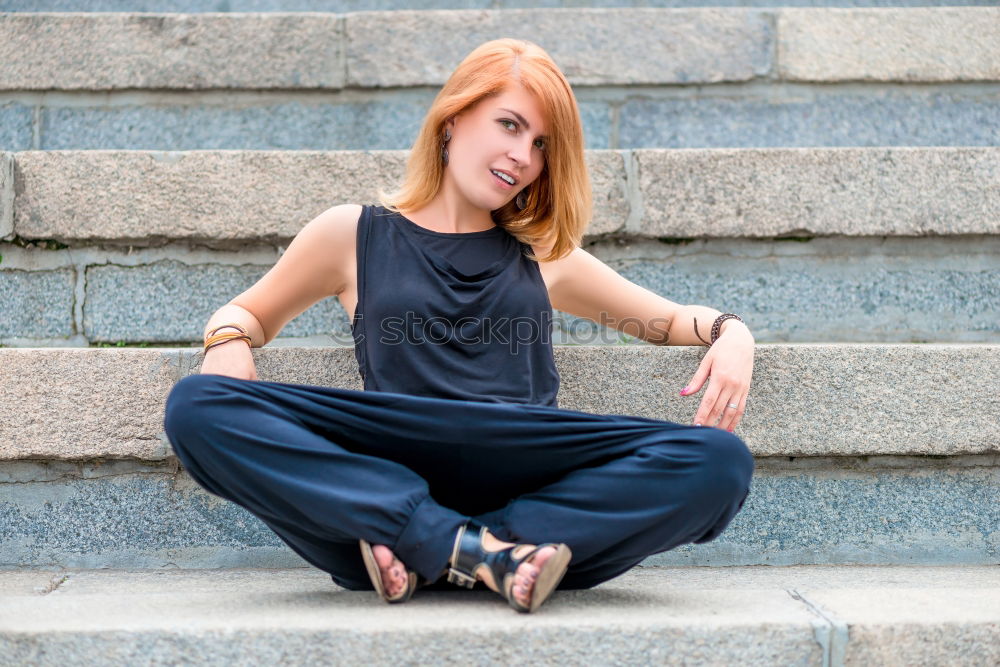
(444, 145)
(522, 200)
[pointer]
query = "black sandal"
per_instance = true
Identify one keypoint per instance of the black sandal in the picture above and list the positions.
(413, 580)
(469, 556)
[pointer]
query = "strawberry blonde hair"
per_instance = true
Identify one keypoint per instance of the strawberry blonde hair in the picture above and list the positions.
(559, 201)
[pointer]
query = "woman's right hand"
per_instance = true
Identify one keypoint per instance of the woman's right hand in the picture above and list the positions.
(233, 359)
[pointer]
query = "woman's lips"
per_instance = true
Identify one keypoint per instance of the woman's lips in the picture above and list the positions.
(504, 184)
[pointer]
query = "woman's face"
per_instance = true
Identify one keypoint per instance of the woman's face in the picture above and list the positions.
(505, 133)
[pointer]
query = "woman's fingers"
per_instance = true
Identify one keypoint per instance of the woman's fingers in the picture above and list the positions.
(706, 410)
(714, 409)
(717, 410)
(731, 416)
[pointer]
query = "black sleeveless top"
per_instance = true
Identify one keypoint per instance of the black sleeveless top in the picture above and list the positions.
(451, 315)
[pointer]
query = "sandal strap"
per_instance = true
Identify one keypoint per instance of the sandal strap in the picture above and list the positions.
(469, 555)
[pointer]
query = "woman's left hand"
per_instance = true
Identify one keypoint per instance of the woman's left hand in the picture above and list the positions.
(729, 363)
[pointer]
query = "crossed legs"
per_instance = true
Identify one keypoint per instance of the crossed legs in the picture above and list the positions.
(325, 467)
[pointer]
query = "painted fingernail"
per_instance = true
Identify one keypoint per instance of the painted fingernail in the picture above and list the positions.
(684, 391)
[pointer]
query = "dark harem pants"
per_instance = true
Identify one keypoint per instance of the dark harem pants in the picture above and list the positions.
(323, 467)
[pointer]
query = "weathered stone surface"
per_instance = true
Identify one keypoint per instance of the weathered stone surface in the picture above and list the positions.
(796, 192)
(36, 304)
(915, 626)
(139, 514)
(678, 46)
(183, 617)
(89, 403)
(838, 290)
(196, 6)
(169, 302)
(6, 194)
(388, 121)
(210, 195)
(932, 44)
(669, 616)
(125, 51)
(870, 399)
(609, 189)
(223, 196)
(767, 118)
(16, 121)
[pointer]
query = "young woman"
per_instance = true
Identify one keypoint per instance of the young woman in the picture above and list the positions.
(456, 459)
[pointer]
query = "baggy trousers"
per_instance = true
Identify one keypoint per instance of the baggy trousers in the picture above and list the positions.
(324, 467)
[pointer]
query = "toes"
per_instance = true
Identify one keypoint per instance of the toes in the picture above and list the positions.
(391, 569)
(383, 556)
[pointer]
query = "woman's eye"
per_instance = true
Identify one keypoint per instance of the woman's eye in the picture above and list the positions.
(539, 143)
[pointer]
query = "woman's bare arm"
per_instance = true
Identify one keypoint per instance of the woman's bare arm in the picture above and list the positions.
(581, 284)
(314, 266)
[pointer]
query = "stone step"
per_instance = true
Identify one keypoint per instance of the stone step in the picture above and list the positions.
(756, 616)
(871, 400)
(136, 198)
(117, 51)
(858, 458)
(710, 76)
(818, 510)
(341, 6)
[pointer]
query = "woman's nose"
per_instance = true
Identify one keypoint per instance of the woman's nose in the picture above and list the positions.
(521, 153)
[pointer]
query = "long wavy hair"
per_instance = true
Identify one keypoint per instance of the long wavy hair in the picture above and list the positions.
(559, 203)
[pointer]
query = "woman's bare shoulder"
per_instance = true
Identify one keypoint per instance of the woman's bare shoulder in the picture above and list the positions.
(336, 230)
(340, 221)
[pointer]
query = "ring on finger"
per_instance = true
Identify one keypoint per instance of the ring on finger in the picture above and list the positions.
(734, 406)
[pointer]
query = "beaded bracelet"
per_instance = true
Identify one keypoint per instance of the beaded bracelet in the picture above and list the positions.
(716, 327)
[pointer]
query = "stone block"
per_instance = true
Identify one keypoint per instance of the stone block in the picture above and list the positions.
(683, 46)
(812, 119)
(6, 194)
(170, 302)
(391, 123)
(853, 511)
(84, 403)
(342, 6)
(113, 51)
(16, 130)
(302, 617)
(36, 304)
(871, 399)
(916, 625)
(892, 44)
(904, 290)
(806, 192)
(222, 196)
(217, 196)
(133, 514)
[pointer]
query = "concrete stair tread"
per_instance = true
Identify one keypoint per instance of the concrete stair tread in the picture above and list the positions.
(800, 614)
(234, 197)
(331, 51)
(870, 399)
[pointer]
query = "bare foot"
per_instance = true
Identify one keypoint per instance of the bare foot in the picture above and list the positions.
(527, 572)
(392, 569)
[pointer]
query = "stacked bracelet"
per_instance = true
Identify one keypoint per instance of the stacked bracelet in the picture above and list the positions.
(215, 338)
(716, 327)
